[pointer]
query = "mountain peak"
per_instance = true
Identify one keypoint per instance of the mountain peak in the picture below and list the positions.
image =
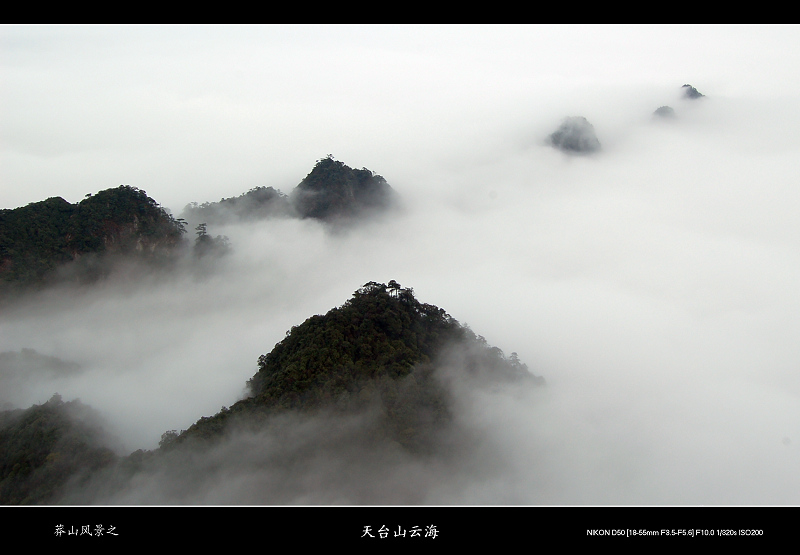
(333, 191)
(575, 135)
(112, 222)
(691, 92)
(381, 351)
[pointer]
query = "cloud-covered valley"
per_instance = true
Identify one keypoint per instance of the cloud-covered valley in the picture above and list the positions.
(652, 283)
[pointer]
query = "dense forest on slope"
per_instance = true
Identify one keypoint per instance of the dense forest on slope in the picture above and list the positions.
(334, 191)
(255, 204)
(54, 241)
(331, 192)
(38, 242)
(46, 447)
(381, 351)
(381, 372)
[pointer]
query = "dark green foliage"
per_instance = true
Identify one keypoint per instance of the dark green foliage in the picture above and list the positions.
(376, 377)
(375, 334)
(124, 219)
(40, 238)
(45, 447)
(334, 191)
(206, 245)
(167, 439)
(34, 240)
(380, 351)
(257, 203)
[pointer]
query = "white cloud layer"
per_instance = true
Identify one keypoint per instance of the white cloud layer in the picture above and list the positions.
(653, 285)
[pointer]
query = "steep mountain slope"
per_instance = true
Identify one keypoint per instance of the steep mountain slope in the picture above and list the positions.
(331, 192)
(255, 204)
(376, 386)
(382, 352)
(46, 447)
(334, 191)
(41, 240)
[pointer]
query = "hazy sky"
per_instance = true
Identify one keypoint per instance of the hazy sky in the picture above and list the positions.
(197, 113)
(653, 285)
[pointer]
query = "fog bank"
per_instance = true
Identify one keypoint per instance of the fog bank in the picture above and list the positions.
(652, 283)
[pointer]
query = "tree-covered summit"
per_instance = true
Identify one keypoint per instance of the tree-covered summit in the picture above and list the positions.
(39, 239)
(257, 203)
(379, 382)
(333, 190)
(382, 350)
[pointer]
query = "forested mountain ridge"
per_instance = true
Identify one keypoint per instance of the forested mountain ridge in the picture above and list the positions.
(40, 239)
(255, 204)
(381, 351)
(331, 192)
(56, 241)
(382, 373)
(46, 447)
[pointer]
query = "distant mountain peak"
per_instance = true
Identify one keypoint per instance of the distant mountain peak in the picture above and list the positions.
(666, 112)
(691, 92)
(333, 191)
(575, 135)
